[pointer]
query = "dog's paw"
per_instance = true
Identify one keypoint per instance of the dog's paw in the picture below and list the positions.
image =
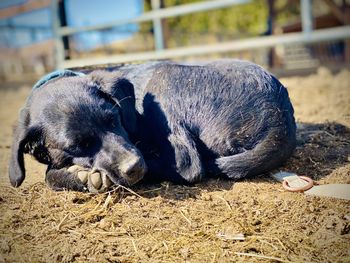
(98, 182)
(95, 181)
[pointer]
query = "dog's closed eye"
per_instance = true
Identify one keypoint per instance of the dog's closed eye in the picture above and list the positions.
(84, 146)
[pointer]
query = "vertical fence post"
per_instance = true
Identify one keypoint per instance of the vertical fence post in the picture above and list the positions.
(157, 27)
(58, 43)
(306, 16)
(346, 14)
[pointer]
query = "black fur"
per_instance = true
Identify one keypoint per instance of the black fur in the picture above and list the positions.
(180, 123)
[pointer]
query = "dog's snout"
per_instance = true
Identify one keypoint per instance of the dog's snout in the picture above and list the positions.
(133, 168)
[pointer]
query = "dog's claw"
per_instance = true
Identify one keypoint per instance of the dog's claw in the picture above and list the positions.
(75, 168)
(94, 180)
(83, 176)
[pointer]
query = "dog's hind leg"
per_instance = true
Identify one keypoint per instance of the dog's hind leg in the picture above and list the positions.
(270, 153)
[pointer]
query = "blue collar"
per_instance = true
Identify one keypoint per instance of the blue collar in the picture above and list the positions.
(56, 74)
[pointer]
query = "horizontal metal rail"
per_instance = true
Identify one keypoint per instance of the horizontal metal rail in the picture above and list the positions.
(156, 14)
(334, 33)
(24, 27)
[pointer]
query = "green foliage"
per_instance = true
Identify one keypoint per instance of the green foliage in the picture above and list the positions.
(247, 18)
(237, 21)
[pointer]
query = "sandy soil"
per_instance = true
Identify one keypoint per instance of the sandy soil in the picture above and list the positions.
(202, 223)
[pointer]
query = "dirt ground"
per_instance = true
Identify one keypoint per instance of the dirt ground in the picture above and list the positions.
(253, 220)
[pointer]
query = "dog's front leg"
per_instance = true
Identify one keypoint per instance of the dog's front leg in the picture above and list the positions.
(77, 178)
(62, 179)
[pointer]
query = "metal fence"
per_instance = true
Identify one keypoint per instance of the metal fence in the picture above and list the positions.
(308, 35)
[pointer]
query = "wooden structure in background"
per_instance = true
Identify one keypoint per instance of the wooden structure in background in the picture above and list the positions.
(339, 15)
(31, 60)
(334, 26)
(28, 6)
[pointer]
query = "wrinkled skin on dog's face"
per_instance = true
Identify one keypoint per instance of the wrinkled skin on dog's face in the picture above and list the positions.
(75, 121)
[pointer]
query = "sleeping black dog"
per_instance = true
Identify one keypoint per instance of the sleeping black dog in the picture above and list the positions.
(154, 121)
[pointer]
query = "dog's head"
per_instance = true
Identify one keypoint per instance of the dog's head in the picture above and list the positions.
(80, 119)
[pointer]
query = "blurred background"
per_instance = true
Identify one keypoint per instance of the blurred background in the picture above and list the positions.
(286, 36)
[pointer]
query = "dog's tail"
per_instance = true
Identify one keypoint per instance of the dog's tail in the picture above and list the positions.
(268, 154)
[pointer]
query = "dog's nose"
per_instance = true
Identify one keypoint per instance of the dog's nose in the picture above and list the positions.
(134, 169)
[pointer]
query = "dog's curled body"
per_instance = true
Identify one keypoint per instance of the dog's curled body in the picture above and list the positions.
(180, 123)
(227, 117)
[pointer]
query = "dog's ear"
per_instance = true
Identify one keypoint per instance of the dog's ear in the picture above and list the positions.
(16, 166)
(122, 91)
(25, 140)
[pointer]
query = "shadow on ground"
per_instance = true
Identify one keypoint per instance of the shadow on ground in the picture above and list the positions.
(321, 148)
